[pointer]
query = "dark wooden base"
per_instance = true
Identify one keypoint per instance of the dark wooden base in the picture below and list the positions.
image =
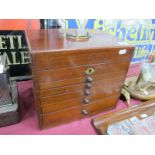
(9, 114)
(101, 123)
(9, 118)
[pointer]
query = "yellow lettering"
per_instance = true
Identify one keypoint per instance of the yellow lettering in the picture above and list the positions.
(14, 59)
(140, 52)
(6, 59)
(79, 24)
(11, 39)
(2, 42)
(19, 39)
(66, 24)
(99, 24)
(25, 59)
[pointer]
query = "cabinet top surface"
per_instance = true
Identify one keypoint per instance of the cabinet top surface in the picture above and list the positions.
(55, 40)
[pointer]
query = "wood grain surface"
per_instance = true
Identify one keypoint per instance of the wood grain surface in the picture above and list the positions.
(59, 74)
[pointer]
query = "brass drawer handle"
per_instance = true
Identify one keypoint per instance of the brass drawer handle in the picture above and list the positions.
(89, 79)
(88, 85)
(86, 101)
(87, 92)
(85, 112)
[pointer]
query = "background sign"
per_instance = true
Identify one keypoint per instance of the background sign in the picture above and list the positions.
(13, 47)
(140, 33)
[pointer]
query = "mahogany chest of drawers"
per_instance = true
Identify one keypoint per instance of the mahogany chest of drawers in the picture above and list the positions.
(76, 79)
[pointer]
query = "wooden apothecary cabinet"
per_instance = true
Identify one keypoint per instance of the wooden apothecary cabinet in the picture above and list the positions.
(76, 79)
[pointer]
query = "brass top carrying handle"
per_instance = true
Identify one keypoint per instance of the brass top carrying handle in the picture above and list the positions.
(77, 34)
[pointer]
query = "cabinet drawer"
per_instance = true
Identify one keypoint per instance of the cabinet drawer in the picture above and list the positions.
(68, 82)
(65, 59)
(77, 72)
(77, 98)
(103, 88)
(48, 108)
(75, 113)
(80, 87)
